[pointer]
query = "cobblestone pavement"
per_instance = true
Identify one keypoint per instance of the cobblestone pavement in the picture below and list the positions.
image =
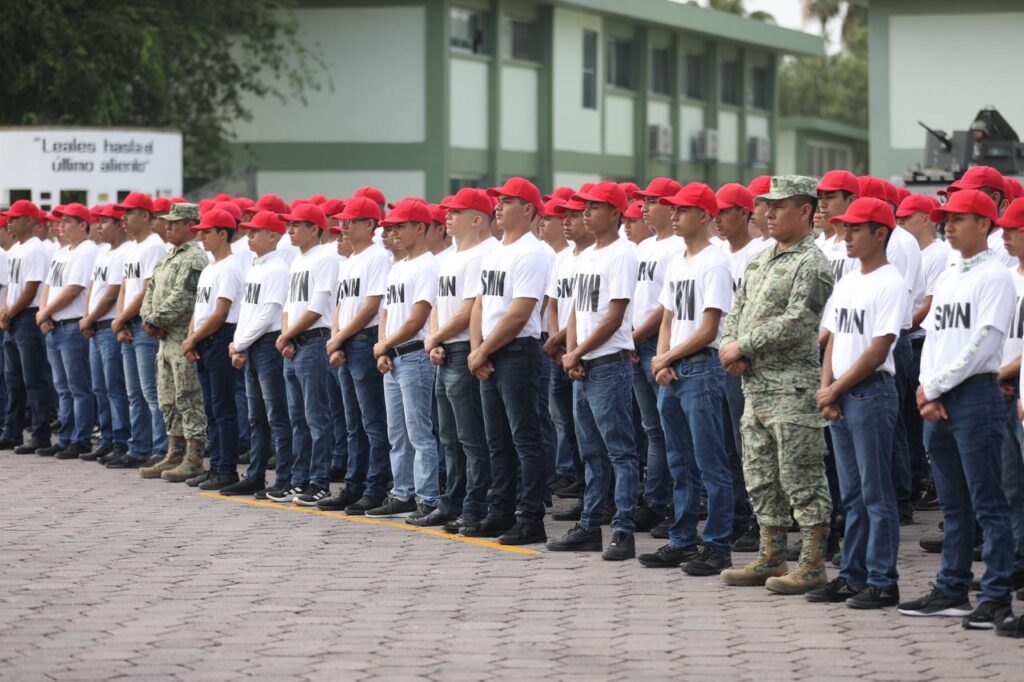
(106, 575)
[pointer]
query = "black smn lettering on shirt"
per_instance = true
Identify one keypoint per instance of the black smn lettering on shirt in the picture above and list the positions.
(298, 287)
(14, 270)
(1017, 323)
(838, 270)
(133, 270)
(446, 285)
(564, 287)
(492, 282)
(99, 273)
(588, 293)
(396, 293)
(252, 292)
(684, 302)
(952, 316)
(203, 294)
(348, 288)
(57, 273)
(646, 271)
(849, 321)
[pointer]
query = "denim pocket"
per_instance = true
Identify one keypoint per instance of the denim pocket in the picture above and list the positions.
(613, 371)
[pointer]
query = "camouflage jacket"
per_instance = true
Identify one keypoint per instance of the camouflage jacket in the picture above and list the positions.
(776, 316)
(171, 293)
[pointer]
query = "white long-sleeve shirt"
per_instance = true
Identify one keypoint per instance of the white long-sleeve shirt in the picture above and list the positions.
(263, 297)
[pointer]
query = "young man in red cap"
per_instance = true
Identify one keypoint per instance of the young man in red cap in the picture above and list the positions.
(61, 307)
(836, 191)
(598, 358)
(760, 186)
(964, 416)
(408, 373)
(252, 349)
(634, 227)
(858, 395)
(24, 369)
(505, 330)
(653, 257)
(990, 181)
(696, 296)
(362, 284)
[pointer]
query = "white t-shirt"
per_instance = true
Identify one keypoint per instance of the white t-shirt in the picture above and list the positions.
(739, 260)
(695, 284)
(962, 304)
(653, 255)
(264, 295)
(71, 267)
(288, 251)
(409, 282)
(841, 264)
(3, 274)
(243, 254)
(107, 271)
(1014, 344)
(140, 260)
(862, 308)
(562, 281)
(509, 271)
(455, 271)
(221, 279)
(26, 262)
(904, 253)
(995, 242)
(820, 241)
(933, 262)
(51, 247)
(604, 275)
(312, 279)
(364, 274)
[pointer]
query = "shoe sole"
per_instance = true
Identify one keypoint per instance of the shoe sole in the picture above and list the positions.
(952, 612)
(301, 503)
(705, 573)
(539, 540)
(617, 557)
(656, 564)
(399, 515)
(978, 626)
(867, 607)
(281, 500)
(584, 548)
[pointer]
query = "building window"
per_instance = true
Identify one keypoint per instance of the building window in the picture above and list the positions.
(19, 194)
(519, 39)
(467, 30)
(457, 182)
(73, 196)
(824, 158)
(620, 63)
(589, 70)
(731, 83)
(660, 68)
(693, 76)
(760, 95)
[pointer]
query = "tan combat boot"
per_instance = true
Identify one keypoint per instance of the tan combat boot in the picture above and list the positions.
(809, 573)
(191, 466)
(175, 453)
(770, 562)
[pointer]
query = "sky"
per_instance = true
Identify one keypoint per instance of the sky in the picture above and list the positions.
(789, 13)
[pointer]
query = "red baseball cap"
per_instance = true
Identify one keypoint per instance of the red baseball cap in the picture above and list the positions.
(872, 187)
(24, 207)
(244, 203)
(520, 188)
(419, 199)
(586, 187)
(562, 193)
(553, 207)
(223, 196)
(137, 200)
(1013, 217)
(917, 203)
(733, 195)
(206, 204)
(629, 187)
(75, 210)
(216, 217)
(695, 194)
(473, 199)
(265, 220)
(271, 202)
(839, 181)
(298, 200)
(867, 210)
(409, 210)
(892, 194)
(572, 204)
(438, 214)
(606, 192)
(359, 208)
(95, 210)
(761, 185)
(161, 205)
(308, 213)
(317, 199)
(657, 188)
(635, 210)
(903, 193)
(230, 208)
(977, 177)
(371, 193)
(332, 207)
(3, 221)
(178, 200)
(1014, 187)
(966, 201)
(111, 211)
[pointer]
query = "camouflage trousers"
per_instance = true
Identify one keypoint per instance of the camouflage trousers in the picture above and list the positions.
(783, 459)
(177, 387)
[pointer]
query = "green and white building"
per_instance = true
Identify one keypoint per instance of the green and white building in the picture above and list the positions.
(425, 96)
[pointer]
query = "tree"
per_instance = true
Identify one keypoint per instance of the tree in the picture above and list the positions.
(187, 64)
(738, 7)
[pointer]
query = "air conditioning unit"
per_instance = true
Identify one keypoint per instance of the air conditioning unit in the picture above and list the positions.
(705, 145)
(759, 151)
(659, 141)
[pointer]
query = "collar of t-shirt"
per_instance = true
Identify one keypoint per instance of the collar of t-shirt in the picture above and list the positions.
(974, 261)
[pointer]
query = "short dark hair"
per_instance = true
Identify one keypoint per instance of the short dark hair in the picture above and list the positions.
(875, 227)
(230, 231)
(806, 200)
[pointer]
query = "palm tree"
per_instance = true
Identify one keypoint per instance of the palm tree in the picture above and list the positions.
(822, 11)
(737, 7)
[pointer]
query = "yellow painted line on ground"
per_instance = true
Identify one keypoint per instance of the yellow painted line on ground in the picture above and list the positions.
(373, 522)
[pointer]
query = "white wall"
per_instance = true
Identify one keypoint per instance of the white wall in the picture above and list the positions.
(659, 113)
(575, 128)
(728, 137)
(618, 125)
(691, 120)
(944, 68)
(785, 153)
(365, 74)
(340, 184)
(758, 126)
(519, 108)
(468, 96)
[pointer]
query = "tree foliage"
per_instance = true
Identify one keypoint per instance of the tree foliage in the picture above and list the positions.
(187, 64)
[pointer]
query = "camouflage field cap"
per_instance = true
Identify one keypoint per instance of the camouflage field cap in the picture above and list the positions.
(183, 212)
(786, 186)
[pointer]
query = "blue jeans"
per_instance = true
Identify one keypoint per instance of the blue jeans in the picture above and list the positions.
(339, 424)
(148, 432)
(242, 409)
(461, 426)
(966, 469)
(1013, 480)
(362, 386)
(217, 383)
(268, 411)
(903, 357)
(24, 370)
(511, 412)
(658, 484)
(914, 424)
(691, 414)
(69, 362)
(408, 393)
(305, 377)
(567, 452)
(548, 435)
(862, 441)
(743, 512)
(604, 430)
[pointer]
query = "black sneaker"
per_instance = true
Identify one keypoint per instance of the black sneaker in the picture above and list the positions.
(434, 518)
(243, 487)
(125, 462)
(311, 495)
(288, 494)
(30, 447)
(524, 533)
(96, 453)
(750, 541)
(573, 490)
(986, 615)
(561, 482)
(1011, 627)
(932, 545)
(338, 503)
(906, 518)
(456, 524)
(573, 513)
(621, 547)
(276, 489)
(219, 480)
(578, 539)
(928, 500)
(154, 460)
(667, 557)
(199, 479)
(709, 561)
(937, 603)
(874, 597)
(490, 527)
(393, 507)
(73, 451)
(116, 453)
(646, 519)
(423, 510)
(363, 505)
(9, 443)
(49, 451)
(336, 475)
(835, 591)
(661, 530)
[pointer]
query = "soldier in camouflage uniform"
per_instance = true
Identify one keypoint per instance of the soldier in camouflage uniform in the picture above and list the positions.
(166, 311)
(771, 339)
